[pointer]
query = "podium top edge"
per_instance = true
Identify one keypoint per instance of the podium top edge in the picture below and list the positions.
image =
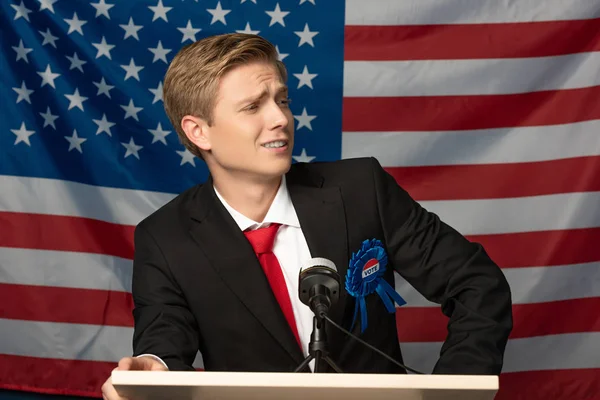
(288, 379)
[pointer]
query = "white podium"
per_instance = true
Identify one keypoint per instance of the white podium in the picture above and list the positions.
(301, 386)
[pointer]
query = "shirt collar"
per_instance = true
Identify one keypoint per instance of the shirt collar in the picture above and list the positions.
(281, 211)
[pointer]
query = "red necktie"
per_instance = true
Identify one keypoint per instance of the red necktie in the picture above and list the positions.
(262, 242)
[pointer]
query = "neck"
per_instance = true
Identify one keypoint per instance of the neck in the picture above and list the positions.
(250, 198)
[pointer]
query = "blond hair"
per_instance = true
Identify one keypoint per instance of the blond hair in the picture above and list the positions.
(192, 79)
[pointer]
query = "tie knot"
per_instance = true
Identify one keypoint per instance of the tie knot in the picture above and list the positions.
(262, 239)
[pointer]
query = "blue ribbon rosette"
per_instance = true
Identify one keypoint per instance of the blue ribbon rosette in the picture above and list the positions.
(365, 276)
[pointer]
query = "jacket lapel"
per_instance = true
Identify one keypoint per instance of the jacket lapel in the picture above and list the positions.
(322, 218)
(233, 258)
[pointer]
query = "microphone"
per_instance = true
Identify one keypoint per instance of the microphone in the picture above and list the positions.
(319, 289)
(319, 285)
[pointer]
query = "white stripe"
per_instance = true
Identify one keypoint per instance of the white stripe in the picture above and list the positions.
(531, 285)
(543, 284)
(67, 341)
(73, 270)
(64, 269)
(469, 147)
(470, 77)
(52, 196)
(524, 214)
(64, 341)
(485, 216)
(108, 343)
(565, 351)
(427, 12)
(551, 212)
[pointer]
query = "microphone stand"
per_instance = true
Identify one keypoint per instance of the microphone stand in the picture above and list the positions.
(318, 348)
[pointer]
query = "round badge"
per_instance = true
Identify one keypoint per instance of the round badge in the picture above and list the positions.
(369, 272)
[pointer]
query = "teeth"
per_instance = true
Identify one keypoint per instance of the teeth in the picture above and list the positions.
(276, 144)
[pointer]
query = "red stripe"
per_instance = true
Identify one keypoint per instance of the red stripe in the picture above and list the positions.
(428, 324)
(86, 306)
(542, 248)
(566, 384)
(58, 232)
(443, 113)
(85, 378)
(70, 305)
(53, 376)
(488, 181)
(471, 41)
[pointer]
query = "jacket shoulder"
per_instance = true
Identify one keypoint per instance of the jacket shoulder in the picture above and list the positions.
(346, 170)
(170, 212)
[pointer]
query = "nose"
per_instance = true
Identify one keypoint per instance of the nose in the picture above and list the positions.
(277, 118)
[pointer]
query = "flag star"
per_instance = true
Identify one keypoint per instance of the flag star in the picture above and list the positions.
(103, 48)
(243, 1)
(160, 53)
(47, 5)
(75, 141)
(131, 29)
(281, 55)
(158, 93)
(277, 15)
(159, 134)
(248, 30)
(48, 77)
(75, 24)
(186, 157)
(76, 62)
(21, 11)
(189, 32)
(304, 120)
(49, 118)
(306, 36)
(104, 125)
(132, 70)
(160, 11)
(76, 100)
(22, 134)
(103, 88)
(132, 149)
(305, 78)
(218, 14)
(23, 93)
(304, 1)
(102, 8)
(22, 51)
(303, 157)
(48, 38)
(131, 110)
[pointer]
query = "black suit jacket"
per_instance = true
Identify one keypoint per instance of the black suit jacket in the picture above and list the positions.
(197, 284)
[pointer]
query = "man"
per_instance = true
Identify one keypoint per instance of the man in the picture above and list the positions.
(200, 282)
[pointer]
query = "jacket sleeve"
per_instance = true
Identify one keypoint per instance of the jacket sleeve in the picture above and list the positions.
(163, 323)
(447, 269)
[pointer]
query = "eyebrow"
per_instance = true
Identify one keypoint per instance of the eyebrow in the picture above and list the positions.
(252, 99)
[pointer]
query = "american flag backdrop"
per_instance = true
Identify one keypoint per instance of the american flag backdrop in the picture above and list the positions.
(486, 111)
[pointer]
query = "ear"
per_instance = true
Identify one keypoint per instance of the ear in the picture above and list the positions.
(197, 131)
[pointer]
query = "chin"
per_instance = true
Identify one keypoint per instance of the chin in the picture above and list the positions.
(280, 169)
(284, 169)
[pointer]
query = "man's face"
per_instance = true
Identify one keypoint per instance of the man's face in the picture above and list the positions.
(252, 134)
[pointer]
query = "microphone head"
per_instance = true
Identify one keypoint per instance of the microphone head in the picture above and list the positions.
(318, 276)
(318, 262)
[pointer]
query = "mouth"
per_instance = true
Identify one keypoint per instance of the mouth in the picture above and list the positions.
(276, 145)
